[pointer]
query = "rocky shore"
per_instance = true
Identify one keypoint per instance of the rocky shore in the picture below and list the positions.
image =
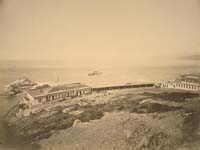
(18, 86)
(139, 119)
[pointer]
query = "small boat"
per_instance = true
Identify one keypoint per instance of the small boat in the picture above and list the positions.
(129, 83)
(94, 73)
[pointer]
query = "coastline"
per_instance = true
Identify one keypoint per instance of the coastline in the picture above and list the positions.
(48, 125)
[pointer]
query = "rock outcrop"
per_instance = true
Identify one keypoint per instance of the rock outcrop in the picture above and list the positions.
(18, 86)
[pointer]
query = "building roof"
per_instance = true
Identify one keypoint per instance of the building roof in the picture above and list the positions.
(193, 77)
(196, 75)
(48, 90)
(73, 86)
(39, 92)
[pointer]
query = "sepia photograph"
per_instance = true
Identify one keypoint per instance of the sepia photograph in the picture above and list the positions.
(99, 74)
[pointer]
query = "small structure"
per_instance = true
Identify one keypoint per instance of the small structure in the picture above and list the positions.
(47, 94)
(184, 82)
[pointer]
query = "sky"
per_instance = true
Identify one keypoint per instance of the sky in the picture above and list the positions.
(100, 32)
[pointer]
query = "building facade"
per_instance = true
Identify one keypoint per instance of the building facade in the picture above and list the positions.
(189, 82)
(40, 96)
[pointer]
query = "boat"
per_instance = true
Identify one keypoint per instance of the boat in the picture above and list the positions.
(95, 73)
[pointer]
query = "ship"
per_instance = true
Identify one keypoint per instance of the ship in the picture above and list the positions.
(95, 73)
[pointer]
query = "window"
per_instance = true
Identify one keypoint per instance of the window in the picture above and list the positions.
(48, 98)
(39, 100)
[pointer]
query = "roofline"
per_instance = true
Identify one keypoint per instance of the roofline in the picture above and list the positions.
(183, 82)
(68, 90)
(60, 91)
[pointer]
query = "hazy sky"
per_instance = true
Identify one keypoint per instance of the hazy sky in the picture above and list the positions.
(99, 31)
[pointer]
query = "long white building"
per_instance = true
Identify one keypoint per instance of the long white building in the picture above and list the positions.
(44, 95)
(189, 82)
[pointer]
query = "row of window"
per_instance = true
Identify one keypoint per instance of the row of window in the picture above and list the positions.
(68, 94)
(194, 87)
(165, 85)
(186, 86)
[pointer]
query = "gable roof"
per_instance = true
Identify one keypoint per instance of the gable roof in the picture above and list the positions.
(39, 92)
(47, 90)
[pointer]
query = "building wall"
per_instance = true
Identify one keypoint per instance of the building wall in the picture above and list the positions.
(34, 102)
(181, 85)
(68, 94)
(23, 112)
(40, 99)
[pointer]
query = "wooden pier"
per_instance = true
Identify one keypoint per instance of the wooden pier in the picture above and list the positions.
(126, 86)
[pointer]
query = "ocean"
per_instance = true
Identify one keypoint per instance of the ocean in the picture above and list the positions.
(9, 72)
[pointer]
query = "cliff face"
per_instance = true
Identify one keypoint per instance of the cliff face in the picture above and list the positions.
(18, 86)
